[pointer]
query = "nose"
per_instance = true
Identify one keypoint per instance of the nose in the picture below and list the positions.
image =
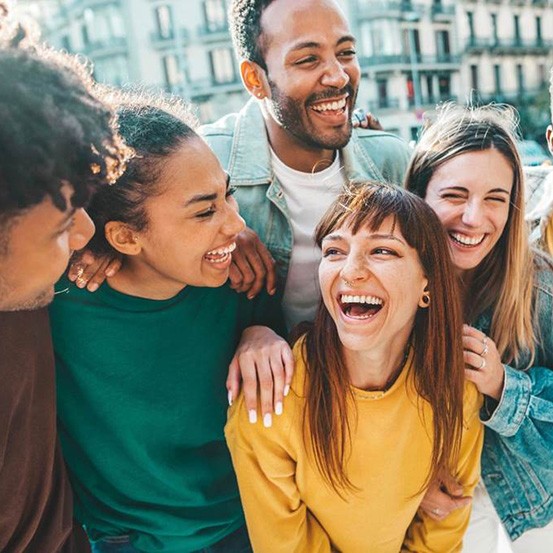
(473, 213)
(234, 224)
(335, 75)
(82, 230)
(355, 269)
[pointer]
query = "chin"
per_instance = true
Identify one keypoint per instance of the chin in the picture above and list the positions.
(29, 304)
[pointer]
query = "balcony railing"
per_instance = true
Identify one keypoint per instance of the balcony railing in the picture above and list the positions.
(390, 9)
(214, 31)
(159, 41)
(105, 47)
(432, 100)
(383, 103)
(407, 59)
(506, 45)
(439, 10)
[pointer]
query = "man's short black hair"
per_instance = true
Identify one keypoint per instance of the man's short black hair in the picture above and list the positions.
(245, 28)
(53, 127)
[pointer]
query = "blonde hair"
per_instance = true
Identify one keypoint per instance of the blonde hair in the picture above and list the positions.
(503, 281)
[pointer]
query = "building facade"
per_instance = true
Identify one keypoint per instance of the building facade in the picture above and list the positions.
(413, 55)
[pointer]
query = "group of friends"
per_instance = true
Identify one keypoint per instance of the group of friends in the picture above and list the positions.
(277, 332)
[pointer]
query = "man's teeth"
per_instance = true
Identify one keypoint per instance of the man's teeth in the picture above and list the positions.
(371, 300)
(221, 254)
(467, 240)
(330, 106)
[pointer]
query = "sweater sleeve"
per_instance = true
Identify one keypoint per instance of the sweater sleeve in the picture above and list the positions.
(277, 518)
(426, 535)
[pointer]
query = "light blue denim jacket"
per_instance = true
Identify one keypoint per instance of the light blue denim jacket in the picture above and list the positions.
(517, 459)
(240, 142)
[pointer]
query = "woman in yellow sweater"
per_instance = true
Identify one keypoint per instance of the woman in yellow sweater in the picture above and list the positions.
(378, 404)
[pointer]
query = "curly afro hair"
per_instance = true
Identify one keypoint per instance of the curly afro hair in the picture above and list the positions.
(54, 130)
(245, 28)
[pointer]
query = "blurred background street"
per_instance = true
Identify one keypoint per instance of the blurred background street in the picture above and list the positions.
(413, 55)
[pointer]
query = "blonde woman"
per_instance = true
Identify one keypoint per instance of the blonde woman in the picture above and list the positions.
(466, 166)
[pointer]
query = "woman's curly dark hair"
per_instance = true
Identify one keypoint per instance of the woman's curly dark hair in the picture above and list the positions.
(54, 128)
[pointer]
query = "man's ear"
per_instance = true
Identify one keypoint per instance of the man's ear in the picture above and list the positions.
(254, 79)
(122, 238)
(549, 137)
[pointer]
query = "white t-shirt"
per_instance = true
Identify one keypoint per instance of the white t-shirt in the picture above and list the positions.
(308, 196)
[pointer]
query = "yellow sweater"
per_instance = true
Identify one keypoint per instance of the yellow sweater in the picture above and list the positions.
(290, 509)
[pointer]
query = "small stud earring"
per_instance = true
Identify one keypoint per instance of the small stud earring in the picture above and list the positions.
(426, 299)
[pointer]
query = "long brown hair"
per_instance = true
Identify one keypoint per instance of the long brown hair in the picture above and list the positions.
(436, 337)
(503, 281)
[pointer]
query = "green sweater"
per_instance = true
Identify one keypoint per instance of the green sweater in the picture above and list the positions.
(142, 405)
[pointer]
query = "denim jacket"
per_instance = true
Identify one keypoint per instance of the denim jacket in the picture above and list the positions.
(517, 459)
(240, 142)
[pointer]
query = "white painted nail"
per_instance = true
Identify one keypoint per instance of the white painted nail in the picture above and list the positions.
(252, 415)
(278, 408)
(268, 420)
(230, 397)
(286, 390)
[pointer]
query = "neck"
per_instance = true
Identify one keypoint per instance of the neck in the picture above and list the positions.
(376, 369)
(293, 152)
(137, 279)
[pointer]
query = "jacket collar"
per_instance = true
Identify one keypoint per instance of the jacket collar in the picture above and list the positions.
(250, 157)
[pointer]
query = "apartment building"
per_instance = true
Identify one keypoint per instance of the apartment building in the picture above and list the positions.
(412, 54)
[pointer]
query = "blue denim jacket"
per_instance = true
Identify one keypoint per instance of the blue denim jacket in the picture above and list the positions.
(517, 459)
(240, 142)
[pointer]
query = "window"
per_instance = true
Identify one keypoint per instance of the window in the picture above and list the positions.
(470, 21)
(542, 75)
(474, 76)
(520, 78)
(164, 21)
(516, 23)
(66, 43)
(442, 45)
(222, 65)
(494, 29)
(171, 71)
(382, 88)
(215, 14)
(430, 87)
(539, 39)
(444, 85)
(497, 79)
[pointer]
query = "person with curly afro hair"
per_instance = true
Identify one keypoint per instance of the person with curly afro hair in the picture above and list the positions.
(58, 144)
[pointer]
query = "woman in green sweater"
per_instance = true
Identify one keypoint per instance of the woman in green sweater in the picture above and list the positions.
(142, 362)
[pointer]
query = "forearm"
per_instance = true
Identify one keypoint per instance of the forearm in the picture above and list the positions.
(523, 417)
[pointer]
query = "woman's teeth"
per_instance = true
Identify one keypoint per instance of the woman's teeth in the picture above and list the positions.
(373, 300)
(221, 254)
(467, 240)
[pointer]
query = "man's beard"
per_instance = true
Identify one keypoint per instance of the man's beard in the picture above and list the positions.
(292, 116)
(41, 300)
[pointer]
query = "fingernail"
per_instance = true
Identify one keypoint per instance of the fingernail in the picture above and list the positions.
(286, 390)
(272, 292)
(267, 420)
(93, 287)
(230, 397)
(278, 408)
(251, 296)
(110, 272)
(252, 415)
(80, 283)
